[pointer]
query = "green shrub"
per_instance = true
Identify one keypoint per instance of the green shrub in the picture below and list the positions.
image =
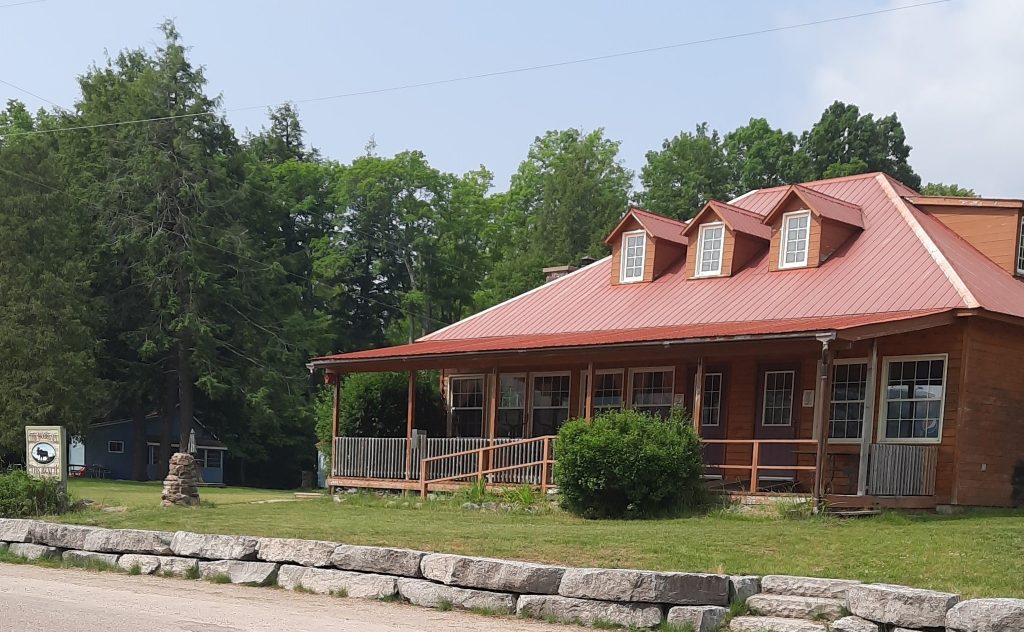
(627, 463)
(22, 496)
(374, 405)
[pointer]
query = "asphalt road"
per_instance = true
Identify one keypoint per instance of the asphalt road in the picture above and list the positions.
(66, 600)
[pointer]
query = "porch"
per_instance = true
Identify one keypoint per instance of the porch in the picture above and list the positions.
(855, 421)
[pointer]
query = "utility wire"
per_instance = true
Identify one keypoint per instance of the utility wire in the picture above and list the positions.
(33, 94)
(507, 71)
(19, 4)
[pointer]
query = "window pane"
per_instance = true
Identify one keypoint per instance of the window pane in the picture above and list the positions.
(652, 392)
(778, 398)
(849, 384)
(550, 403)
(513, 391)
(633, 257)
(914, 393)
(796, 230)
(711, 238)
(711, 400)
(213, 458)
(608, 390)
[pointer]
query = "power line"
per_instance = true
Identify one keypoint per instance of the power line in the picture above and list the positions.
(19, 4)
(33, 94)
(507, 71)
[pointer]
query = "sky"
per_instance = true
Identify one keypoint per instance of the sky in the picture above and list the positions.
(951, 71)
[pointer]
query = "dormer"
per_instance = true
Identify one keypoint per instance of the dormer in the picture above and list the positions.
(724, 237)
(994, 227)
(807, 227)
(644, 246)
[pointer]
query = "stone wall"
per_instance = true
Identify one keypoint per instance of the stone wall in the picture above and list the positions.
(591, 596)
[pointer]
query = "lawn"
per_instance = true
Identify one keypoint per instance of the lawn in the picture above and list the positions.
(976, 553)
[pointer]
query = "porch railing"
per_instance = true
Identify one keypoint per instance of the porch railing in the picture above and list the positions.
(370, 457)
(756, 466)
(902, 470)
(524, 461)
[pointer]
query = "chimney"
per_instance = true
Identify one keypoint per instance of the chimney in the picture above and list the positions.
(586, 261)
(557, 272)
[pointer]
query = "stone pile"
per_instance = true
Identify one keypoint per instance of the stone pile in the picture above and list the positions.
(591, 596)
(181, 487)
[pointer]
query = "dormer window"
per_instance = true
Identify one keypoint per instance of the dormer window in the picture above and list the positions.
(709, 249)
(795, 239)
(1020, 248)
(634, 247)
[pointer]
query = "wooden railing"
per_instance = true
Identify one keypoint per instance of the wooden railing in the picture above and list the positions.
(756, 466)
(489, 463)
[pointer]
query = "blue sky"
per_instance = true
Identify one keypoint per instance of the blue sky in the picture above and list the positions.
(951, 71)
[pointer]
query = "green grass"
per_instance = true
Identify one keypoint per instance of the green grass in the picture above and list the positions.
(973, 553)
(219, 578)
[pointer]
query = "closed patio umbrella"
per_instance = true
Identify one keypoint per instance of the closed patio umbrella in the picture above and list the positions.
(192, 442)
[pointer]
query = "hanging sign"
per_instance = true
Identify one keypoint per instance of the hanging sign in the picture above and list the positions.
(44, 452)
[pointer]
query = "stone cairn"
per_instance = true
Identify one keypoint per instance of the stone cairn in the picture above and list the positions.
(181, 487)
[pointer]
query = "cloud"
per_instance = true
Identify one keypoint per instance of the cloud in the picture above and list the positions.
(954, 74)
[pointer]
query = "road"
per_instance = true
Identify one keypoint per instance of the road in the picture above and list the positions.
(66, 600)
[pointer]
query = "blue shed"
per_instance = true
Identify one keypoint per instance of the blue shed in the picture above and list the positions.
(108, 449)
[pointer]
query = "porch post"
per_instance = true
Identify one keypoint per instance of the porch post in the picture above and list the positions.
(698, 394)
(334, 379)
(492, 405)
(821, 407)
(410, 421)
(868, 428)
(589, 406)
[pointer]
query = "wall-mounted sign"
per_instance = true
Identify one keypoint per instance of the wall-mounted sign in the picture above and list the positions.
(44, 452)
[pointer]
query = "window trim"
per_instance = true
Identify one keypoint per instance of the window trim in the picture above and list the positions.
(110, 449)
(623, 256)
(864, 420)
(449, 395)
(721, 398)
(584, 387)
(1020, 246)
(883, 398)
(792, 397)
(628, 402)
(783, 240)
(700, 251)
(531, 388)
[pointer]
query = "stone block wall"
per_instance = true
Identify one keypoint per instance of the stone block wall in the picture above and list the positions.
(591, 596)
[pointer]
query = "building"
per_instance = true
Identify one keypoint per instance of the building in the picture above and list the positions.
(846, 338)
(109, 445)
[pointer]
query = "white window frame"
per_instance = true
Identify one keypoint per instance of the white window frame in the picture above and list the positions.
(628, 402)
(585, 387)
(704, 228)
(863, 420)
(1020, 247)
(883, 398)
(784, 239)
(703, 398)
(764, 397)
(483, 403)
(624, 259)
(532, 381)
(110, 448)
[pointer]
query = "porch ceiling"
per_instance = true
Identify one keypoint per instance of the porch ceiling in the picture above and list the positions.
(450, 353)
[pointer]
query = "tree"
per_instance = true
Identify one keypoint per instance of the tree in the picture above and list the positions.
(845, 142)
(947, 190)
(47, 316)
(689, 171)
(760, 157)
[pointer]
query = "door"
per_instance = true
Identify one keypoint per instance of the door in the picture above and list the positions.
(550, 403)
(713, 416)
(511, 407)
(777, 418)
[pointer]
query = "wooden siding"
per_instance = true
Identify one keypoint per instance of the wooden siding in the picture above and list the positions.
(668, 255)
(833, 235)
(659, 255)
(990, 458)
(992, 230)
(745, 248)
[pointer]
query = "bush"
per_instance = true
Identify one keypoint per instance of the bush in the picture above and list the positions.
(627, 463)
(374, 405)
(22, 496)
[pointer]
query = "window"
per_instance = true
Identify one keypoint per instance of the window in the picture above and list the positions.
(849, 387)
(634, 246)
(153, 452)
(652, 391)
(795, 236)
(711, 400)
(511, 406)
(115, 447)
(550, 403)
(607, 390)
(709, 250)
(467, 405)
(1020, 248)
(211, 458)
(914, 392)
(778, 398)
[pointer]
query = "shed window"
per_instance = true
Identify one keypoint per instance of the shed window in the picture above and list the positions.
(153, 454)
(634, 247)
(914, 392)
(210, 458)
(115, 447)
(849, 386)
(795, 237)
(778, 398)
(550, 403)
(512, 406)
(652, 391)
(711, 400)
(1020, 248)
(709, 250)
(467, 405)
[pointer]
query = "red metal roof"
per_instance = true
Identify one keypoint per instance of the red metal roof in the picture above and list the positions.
(656, 226)
(821, 204)
(904, 264)
(736, 218)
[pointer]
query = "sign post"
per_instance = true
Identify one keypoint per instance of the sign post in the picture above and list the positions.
(45, 453)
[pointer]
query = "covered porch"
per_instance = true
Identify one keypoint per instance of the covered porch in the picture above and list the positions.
(851, 416)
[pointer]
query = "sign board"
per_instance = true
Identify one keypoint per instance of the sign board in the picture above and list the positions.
(45, 452)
